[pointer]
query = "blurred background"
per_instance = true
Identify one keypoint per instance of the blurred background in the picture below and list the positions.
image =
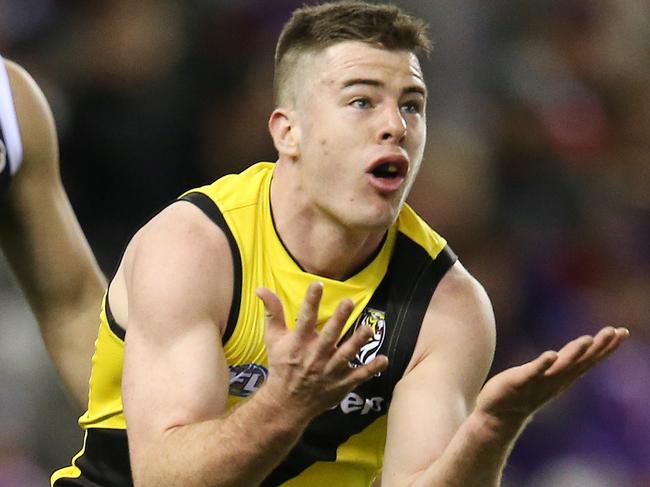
(537, 171)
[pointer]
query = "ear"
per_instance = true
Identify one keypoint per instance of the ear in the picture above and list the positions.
(285, 133)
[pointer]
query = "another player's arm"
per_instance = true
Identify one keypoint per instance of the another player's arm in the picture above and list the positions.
(441, 430)
(45, 246)
(178, 277)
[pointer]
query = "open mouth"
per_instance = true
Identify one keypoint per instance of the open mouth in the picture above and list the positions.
(389, 167)
(387, 170)
(387, 173)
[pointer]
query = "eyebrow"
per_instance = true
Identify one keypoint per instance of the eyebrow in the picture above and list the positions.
(378, 84)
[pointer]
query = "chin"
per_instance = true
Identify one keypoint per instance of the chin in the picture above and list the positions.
(378, 218)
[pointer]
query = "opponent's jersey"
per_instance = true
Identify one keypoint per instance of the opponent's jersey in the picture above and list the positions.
(343, 446)
(11, 149)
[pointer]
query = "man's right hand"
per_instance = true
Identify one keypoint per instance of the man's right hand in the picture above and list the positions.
(308, 372)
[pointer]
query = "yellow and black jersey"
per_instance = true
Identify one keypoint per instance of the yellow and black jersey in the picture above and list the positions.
(11, 149)
(343, 446)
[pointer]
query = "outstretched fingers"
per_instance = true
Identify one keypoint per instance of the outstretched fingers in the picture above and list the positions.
(523, 389)
(570, 354)
(346, 353)
(308, 313)
(603, 344)
(348, 350)
(273, 311)
(620, 334)
(331, 332)
(363, 373)
(340, 362)
(544, 362)
(535, 368)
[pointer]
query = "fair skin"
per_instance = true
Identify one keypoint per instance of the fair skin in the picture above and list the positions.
(45, 247)
(365, 100)
(362, 106)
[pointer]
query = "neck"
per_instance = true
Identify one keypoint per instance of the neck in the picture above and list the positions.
(319, 243)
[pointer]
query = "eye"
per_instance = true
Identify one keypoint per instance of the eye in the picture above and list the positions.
(412, 107)
(362, 103)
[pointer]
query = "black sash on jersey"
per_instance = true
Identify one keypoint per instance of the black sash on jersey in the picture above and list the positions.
(403, 294)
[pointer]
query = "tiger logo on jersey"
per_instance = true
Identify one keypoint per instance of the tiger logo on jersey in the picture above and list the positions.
(376, 320)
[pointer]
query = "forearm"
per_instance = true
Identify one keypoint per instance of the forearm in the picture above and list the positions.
(475, 456)
(239, 449)
(58, 275)
(69, 336)
(48, 251)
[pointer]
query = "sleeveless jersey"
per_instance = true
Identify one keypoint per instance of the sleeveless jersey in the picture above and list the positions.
(11, 149)
(343, 446)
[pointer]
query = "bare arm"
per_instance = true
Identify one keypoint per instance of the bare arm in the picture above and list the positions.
(462, 439)
(453, 355)
(45, 246)
(175, 382)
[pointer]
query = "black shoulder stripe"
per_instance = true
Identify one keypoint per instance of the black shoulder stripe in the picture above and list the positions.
(112, 324)
(211, 210)
(414, 266)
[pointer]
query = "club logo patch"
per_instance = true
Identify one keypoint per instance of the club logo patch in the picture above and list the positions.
(246, 379)
(376, 320)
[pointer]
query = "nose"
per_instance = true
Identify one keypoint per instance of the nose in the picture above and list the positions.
(393, 128)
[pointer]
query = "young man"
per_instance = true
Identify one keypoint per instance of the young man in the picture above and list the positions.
(40, 235)
(372, 371)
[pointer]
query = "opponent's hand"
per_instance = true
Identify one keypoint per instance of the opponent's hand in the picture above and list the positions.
(308, 373)
(513, 395)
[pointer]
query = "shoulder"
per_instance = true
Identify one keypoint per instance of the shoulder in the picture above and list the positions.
(178, 224)
(460, 291)
(458, 328)
(20, 78)
(179, 238)
(180, 262)
(26, 93)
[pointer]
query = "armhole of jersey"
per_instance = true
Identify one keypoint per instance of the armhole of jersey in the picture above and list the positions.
(211, 210)
(110, 319)
(9, 122)
(426, 275)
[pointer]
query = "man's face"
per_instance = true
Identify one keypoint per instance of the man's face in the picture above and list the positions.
(361, 118)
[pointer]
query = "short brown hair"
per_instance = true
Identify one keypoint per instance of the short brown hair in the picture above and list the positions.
(314, 28)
